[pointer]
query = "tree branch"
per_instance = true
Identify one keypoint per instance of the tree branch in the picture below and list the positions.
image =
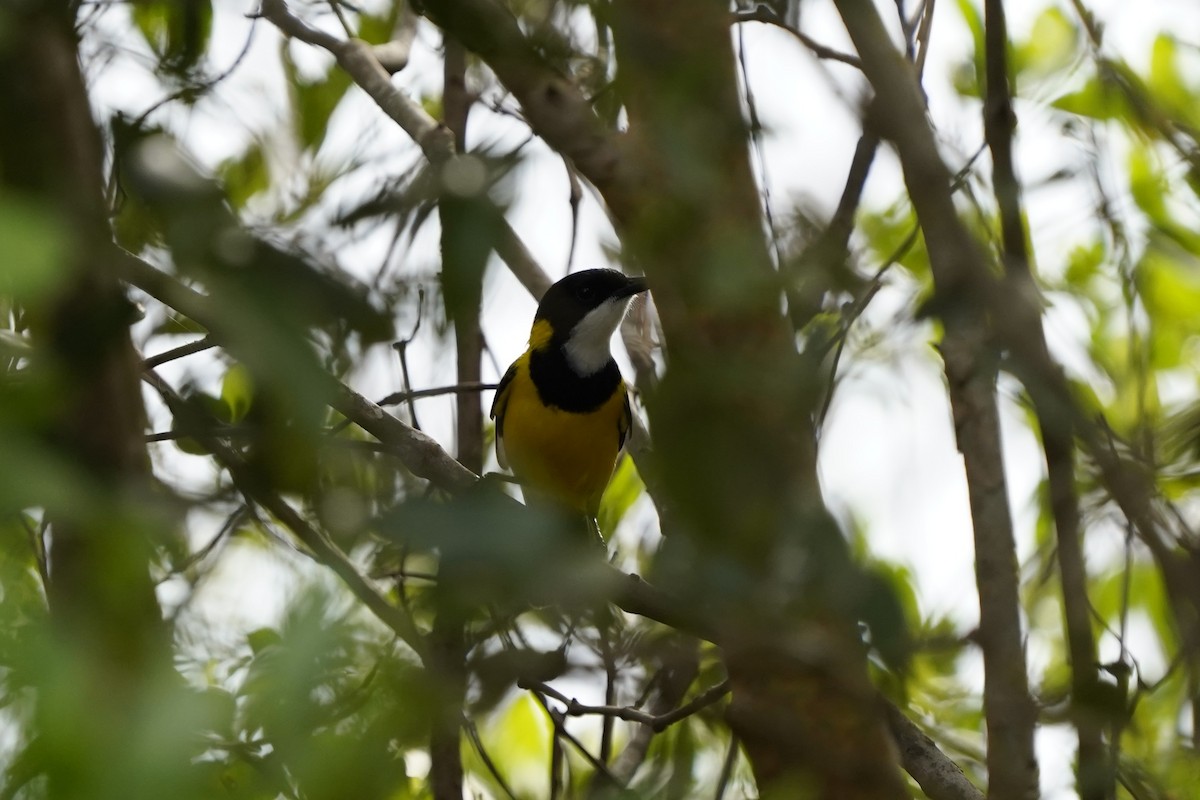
(764, 14)
(938, 776)
(323, 550)
(462, 288)
(436, 141)
(555, 108)
(657, 722)
(1094, 774)
(960, 273)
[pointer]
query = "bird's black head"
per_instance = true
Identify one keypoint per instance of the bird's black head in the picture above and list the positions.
(579, 314)
(568, 301)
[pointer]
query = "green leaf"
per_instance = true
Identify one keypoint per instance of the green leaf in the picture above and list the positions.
(623, 490)
(237, 392)
(1148, 185)
(1083, 264)
(1096, 100)
(314, 101)
(519, 738)
(262, 638)
(378, 28)
(176, 323)
(1165, 80)
(178, 31)
(245, 176)
(1051, 47)
(968, 76)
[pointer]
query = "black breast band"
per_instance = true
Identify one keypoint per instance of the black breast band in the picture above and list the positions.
(560, 386)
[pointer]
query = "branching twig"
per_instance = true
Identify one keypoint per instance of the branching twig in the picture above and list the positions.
(560, 730)
(761, 13)
(658, 722)
(436, 141)
(481, 751)
(554, 107)
(321, 548)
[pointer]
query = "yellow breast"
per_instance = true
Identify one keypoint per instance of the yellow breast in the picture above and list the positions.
(565, 456)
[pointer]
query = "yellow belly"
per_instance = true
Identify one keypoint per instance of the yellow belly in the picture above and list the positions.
(565, 456)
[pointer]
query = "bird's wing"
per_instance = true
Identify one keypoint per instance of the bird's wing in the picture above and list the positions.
(625, 422)
(499, 404)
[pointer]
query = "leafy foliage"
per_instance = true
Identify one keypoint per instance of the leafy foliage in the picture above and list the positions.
(287, 682)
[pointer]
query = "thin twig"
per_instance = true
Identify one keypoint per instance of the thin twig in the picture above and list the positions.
(727, 767)
(560, 729)
(230, 524)
(659, 722)
(477, 743)
(337, 12)
(191, 348)
(321, 548)
(396, 398)
(756, 143)
(761, 13)
(401, 348)
(575, 197)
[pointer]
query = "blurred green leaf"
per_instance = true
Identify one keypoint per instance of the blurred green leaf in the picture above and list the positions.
(1166, 81)
(1052, 46)
(1097, 100)
(519, 738)
(379, 28)
(314, 101)
(245, 176)
(622, 492)
(237, 392)
(177, 31)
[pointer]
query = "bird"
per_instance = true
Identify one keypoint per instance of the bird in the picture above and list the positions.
(562, 409)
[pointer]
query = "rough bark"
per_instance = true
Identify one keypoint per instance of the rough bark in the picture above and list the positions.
(732, 416)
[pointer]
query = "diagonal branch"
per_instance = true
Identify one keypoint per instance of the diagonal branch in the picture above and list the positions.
(938, 776)
(767, 15)
(553, 105)
(323, 550)
(436, 141)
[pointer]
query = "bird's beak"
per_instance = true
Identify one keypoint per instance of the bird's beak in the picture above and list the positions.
(634, 286)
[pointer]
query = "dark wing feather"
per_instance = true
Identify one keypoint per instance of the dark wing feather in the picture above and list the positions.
(626, 421)
(499, 405)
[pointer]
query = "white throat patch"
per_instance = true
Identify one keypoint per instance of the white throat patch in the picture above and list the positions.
(587, 347)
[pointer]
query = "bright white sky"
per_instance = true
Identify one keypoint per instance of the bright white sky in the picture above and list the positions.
(888, 457)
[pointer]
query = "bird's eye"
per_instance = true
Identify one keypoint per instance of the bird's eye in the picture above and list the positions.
(586, 293)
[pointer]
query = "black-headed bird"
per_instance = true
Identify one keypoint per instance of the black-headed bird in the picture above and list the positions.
(562, 411)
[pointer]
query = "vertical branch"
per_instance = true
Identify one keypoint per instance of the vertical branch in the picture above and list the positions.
(1095, 778)
(447, 639)
(747, 493)
(105, 618)
(970, 361)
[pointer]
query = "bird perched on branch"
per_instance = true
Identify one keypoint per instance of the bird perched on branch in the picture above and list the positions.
(562, 411)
